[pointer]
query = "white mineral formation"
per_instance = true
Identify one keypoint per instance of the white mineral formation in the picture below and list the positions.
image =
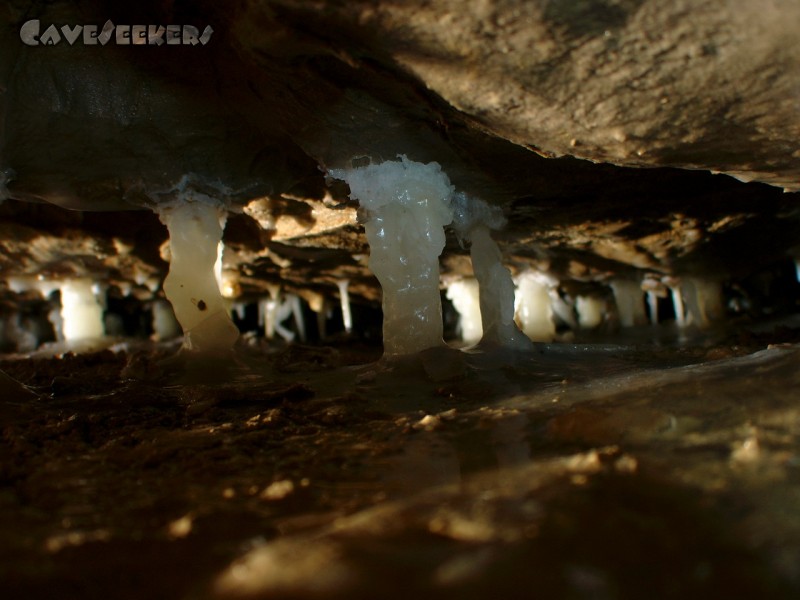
(629, 298)
(465, 297)
(591, 311)
(193, 283)
(273, 311)
(674, 285)
(407, 205)
(321, 308)
(654, 289)
(535, 306)
(82, 304)
(473, 219)
(704, 302)
(344, 299)
(81, 313)
(165, 325)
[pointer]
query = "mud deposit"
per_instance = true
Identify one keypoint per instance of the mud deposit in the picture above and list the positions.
(575, 472)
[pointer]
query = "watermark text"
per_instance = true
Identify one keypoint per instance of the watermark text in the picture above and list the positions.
(32, 34)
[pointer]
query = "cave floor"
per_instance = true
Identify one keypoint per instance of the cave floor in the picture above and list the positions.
(582, 471)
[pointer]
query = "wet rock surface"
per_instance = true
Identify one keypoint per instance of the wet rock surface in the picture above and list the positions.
(614, 472)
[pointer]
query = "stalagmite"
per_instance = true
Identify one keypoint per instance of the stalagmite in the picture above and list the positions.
(407, 205)
(535, 306)
(464, 295)
(193, 284)
(591, 311)
(344, 299)
(473, 219)
(629, 298)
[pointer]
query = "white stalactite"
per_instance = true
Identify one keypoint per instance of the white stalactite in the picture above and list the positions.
(652, 305)
(677, 303)
(344, 300)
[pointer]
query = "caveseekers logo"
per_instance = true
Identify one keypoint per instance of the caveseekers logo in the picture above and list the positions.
(31, 34)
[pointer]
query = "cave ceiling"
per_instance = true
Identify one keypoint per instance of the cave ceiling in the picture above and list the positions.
(619, 136)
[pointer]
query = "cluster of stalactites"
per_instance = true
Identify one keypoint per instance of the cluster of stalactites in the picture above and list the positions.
(695, 301)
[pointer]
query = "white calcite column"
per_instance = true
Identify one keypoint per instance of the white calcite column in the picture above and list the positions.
(407, 205)
(497, 292)
(629, 298)
(81, 313)
(344, 301)
(535, 306)
(192, 286)
(465, 298)
(473, 221)
(704, 302)
(591, 311)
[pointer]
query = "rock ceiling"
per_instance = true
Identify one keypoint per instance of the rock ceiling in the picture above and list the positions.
(507, 96)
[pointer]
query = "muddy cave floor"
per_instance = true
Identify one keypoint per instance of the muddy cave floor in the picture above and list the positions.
(641, 469)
